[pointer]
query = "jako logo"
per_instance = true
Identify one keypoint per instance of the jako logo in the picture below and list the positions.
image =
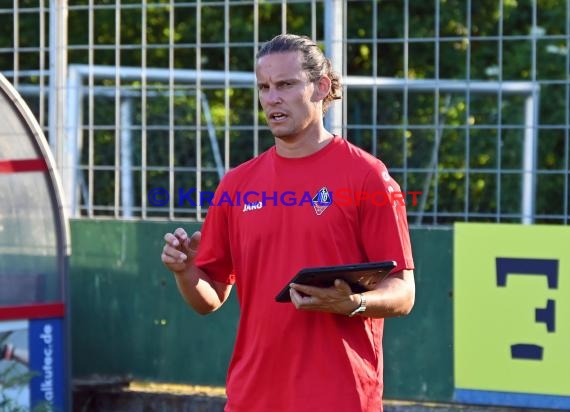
(252, 206)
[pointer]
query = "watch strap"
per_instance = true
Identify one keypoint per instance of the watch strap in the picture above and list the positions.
(361, 307)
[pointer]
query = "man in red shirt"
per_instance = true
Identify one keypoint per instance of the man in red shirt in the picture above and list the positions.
(276, 214)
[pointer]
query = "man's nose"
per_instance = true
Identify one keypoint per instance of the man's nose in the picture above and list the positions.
(273, 96)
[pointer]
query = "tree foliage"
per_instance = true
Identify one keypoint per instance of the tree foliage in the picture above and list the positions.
(463, 149)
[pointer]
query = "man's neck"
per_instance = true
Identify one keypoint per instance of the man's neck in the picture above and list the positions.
(303, 146)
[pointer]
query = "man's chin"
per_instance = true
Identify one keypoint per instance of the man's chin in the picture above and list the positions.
(283, 133)
(283, 137)
(279, 133)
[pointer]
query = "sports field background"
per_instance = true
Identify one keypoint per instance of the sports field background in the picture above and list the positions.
(466, 102)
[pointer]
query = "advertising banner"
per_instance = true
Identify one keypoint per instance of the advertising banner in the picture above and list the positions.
(32, 375)
(512, 315)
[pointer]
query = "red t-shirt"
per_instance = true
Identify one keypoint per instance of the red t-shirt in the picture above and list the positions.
(262, 227)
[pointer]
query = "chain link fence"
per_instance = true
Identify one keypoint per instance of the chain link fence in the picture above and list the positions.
(144, 101)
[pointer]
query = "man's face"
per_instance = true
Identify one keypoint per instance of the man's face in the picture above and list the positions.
(290, 101)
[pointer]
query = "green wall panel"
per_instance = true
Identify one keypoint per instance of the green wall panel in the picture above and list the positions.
(418, 348)
(127, 317)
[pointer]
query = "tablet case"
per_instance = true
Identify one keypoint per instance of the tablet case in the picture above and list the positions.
(360, 276)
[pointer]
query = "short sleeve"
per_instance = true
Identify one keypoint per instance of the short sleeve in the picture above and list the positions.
(214, 254)
(383, 220)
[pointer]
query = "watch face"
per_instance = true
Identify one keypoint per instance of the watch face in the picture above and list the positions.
(361, 307)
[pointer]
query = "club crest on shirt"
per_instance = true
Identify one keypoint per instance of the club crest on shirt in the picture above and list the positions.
(322, 200)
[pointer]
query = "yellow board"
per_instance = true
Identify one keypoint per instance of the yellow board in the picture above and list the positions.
(511, 284)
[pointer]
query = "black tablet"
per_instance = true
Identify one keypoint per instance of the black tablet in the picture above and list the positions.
(360, 276)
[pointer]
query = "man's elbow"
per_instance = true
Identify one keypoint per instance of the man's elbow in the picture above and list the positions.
(203, 311)
(409, 296)
(408, 304)
(204, 308)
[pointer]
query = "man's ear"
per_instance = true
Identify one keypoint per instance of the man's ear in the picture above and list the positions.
(322, 87)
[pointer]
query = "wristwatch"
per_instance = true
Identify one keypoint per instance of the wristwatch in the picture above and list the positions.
(361, 307)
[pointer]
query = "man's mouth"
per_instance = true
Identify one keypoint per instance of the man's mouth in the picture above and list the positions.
(277, 116)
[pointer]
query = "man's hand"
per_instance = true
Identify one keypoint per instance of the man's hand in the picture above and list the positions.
(392, 297)
(198, 289)
(335, 299)
(180, 250)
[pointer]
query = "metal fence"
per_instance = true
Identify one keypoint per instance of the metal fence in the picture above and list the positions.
(466, 102)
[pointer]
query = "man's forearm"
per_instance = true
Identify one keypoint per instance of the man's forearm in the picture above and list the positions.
(198, 290)
(394, 297)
